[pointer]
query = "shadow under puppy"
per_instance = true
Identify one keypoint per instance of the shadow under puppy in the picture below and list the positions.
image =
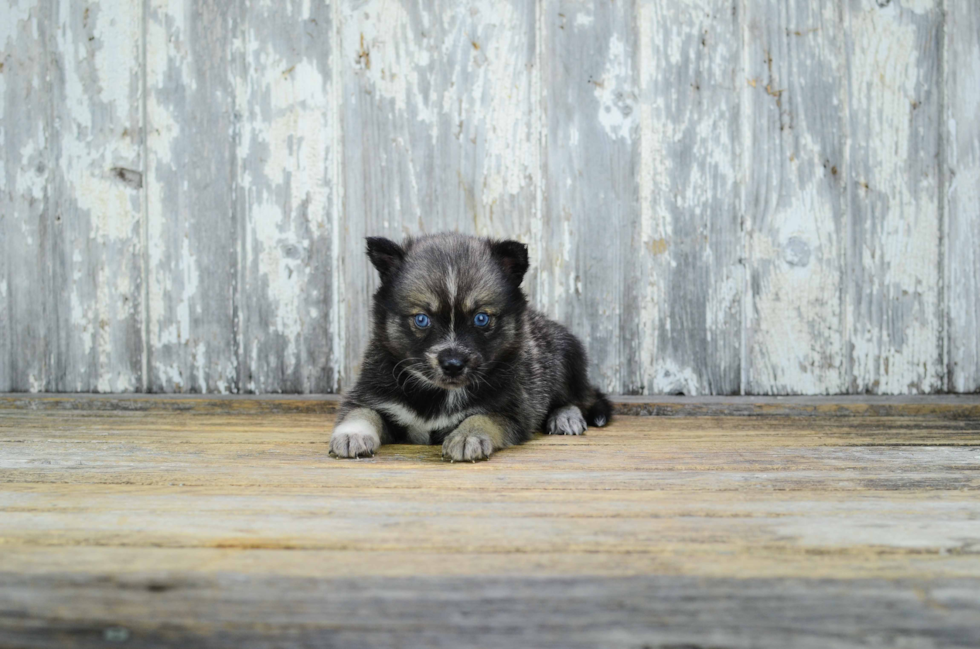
(458, 358)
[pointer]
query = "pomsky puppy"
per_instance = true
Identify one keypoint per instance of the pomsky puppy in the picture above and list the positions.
(458, 358)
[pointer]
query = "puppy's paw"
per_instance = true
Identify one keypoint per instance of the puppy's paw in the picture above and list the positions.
(474, 439)
(469, 447)
(566, 421)
(355, 437)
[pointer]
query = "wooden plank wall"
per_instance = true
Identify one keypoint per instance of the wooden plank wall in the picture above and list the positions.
(721, 196)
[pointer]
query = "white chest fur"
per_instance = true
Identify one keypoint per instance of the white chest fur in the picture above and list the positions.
(419, 427)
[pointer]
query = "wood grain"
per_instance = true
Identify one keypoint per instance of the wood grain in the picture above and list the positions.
(961, 192)
(237, 528)
(590, 154)
(536, 612)
(287, 202)
(690, 240)
(73, 137)
(25, 202)
(192, 226)
(893, 306)
(794, 203)
(97, 198)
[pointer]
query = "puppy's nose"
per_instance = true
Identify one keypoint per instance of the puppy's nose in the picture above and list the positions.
(452, 362)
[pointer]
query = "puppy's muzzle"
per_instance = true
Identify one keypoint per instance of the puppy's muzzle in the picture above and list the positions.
(452, 363)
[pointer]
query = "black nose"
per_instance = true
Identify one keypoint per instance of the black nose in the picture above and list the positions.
(452, 362)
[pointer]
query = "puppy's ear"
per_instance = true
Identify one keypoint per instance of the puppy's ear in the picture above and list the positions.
(386, 255)
(512, 257)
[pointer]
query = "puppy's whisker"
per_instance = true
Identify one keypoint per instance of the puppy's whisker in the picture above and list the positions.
(414, 379)
(395, 368)
(421, 377)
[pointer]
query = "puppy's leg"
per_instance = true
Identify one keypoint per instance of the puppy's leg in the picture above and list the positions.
(599, 412)
(358, 434)
(566, 420)
(477, 438)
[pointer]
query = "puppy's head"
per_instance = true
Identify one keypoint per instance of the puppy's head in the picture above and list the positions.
(449, 307)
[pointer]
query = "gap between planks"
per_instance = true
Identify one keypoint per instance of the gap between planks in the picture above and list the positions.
(960, 406)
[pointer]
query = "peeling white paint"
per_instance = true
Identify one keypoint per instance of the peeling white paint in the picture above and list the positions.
(671, 378)
(654, 169)
(615, 92)
(452, 88)
(793, 204)
(97, 134)
(30, 184)
(583, 19)
(15, 15)
(85, 165)
(296, 136)
(895, 349)
(917, 6)
(962, 196)
(798, 282)
(287, 178)
(168, 24)
(503, 87)
(383, 45)
(688, 225)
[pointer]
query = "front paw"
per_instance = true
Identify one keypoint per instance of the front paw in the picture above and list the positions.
(354, 438)
(474, 439)
(468, 446)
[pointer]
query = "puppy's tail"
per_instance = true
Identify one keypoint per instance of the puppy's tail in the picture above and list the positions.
(600, 412)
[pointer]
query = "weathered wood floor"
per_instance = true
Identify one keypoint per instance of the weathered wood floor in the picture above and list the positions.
(231, 527)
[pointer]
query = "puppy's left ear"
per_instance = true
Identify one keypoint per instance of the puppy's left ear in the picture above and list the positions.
(386, 255)
(512, 257)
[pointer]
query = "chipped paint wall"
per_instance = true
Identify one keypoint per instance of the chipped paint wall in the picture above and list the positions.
(721, 196)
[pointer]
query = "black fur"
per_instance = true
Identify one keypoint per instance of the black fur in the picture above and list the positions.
(522, 368)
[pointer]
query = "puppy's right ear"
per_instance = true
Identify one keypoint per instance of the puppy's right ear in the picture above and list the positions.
(386, 255)
(512, 256)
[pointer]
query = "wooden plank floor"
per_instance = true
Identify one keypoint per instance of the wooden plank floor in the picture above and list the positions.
(232, 527)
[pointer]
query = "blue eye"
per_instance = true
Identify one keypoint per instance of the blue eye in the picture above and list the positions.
(421, 320)
(481, 319)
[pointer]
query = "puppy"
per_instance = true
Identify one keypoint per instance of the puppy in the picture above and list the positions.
(458, 358)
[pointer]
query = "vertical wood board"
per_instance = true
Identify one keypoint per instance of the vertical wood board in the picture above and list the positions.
(690, 241)
(961, 192)
(96, 216)
(794, 196)
(590, 157)
(193, 256)
(893, 308)
(72, 210)
(25, 97)
(286, 197)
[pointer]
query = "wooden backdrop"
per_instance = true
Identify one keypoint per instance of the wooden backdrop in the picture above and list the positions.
(720, 196)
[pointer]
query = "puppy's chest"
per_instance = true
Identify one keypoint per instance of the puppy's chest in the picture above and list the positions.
(420, 428)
